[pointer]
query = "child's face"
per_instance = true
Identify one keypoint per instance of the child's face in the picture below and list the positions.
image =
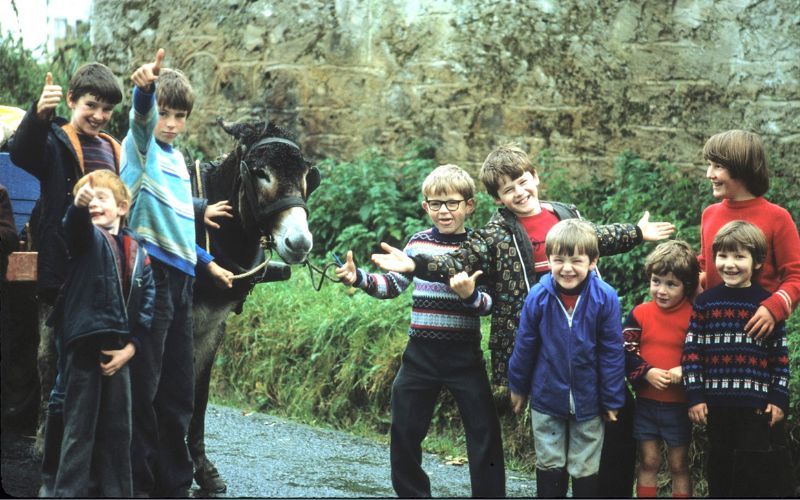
(105, 211)
(569, 271)
(666, 290)
(735, 267)
(724, 186)
(520, 195)
(449, 221)
(170, 123)
(89, 114)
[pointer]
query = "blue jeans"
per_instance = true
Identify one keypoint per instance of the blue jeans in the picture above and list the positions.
(162, 378)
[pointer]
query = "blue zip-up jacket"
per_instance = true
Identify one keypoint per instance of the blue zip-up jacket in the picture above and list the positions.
(570, 366)
(92, 301)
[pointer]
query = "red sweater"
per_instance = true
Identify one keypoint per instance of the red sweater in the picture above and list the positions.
(654, 339)
(780, 274)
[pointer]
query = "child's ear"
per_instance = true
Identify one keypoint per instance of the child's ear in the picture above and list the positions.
(757, 266)
(70, 101)
(593, 264)
(123, 207)
(470, 205)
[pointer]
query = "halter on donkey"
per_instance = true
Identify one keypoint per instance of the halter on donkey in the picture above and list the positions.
(267, 181)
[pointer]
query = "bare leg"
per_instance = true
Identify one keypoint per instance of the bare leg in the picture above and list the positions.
(678, 459)
(650, 462)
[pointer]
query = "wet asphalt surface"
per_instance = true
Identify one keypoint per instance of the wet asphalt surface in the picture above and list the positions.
(264, 456)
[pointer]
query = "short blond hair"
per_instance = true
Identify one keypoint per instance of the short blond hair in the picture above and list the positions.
(678, 258)
(571, 236)
(508, 160)
(448, 178)
(106, 179)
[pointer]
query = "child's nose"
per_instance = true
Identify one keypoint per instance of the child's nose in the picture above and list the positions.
(710, 172)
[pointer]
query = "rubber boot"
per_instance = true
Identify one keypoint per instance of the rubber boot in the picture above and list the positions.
(51, 452)
(551, 483)
(585, 487)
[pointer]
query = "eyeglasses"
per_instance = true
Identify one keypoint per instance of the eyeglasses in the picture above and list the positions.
(436, 205)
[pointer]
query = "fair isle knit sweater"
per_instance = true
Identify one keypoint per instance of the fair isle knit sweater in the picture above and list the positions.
(436, 312)
(722, 366)
(162, 212)
(780, 273)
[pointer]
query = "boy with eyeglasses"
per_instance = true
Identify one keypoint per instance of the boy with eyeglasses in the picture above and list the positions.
(443, 347)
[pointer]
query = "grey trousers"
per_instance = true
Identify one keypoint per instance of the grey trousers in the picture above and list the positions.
(566, 442)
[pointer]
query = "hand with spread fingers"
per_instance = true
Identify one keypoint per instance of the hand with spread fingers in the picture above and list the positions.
(393, 260)
(218, 209)
(654, 231)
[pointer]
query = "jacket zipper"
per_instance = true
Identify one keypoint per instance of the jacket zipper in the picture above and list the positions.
(569, 348)
(519, 254)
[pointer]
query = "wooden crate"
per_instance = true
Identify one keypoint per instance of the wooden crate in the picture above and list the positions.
(22, 266)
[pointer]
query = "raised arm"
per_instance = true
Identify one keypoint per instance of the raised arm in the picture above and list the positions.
(28, 145)
(378, 285)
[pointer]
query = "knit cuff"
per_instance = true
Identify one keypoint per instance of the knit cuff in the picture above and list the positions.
(360, 279)
(473, 301)
(779, 399)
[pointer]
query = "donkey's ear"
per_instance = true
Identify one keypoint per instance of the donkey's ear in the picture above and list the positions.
(242, 132)
(313, 178)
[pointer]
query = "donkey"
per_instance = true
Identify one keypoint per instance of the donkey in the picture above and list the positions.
(267, 182)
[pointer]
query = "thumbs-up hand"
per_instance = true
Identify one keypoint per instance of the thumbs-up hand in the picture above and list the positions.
(51, 96)
(146, 74)
(463, 284)
(85, 194)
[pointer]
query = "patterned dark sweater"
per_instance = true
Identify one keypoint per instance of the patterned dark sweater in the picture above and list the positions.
(722, 366)
(436, 311)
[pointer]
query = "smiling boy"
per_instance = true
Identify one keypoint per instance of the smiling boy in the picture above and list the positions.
(443, 348)
(101, 318)
(568, 357)
(736, 384)
(58, 152)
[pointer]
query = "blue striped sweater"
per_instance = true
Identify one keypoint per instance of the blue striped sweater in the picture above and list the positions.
(436, 311)
(162, 211)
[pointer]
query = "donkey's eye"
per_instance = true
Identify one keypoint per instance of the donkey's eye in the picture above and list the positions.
(262, 174)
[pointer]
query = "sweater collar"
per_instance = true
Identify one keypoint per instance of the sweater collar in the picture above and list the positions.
(454, 238)
(743, 205)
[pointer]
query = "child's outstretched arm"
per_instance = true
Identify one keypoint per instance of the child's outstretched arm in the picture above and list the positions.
(119, 358)
(143, 118)
(28, 146)
(380, 286)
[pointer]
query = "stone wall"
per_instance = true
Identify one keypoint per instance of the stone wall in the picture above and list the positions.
(585, 78)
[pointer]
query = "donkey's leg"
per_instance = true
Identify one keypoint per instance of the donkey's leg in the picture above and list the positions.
(209, 328)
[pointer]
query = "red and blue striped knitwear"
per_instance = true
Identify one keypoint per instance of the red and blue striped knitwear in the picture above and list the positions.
(722, 366)
(97, 154)
(436, 311)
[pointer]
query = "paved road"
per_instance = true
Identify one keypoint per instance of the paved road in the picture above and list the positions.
(265, 456)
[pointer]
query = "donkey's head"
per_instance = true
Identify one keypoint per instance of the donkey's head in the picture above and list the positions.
(274, 181)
